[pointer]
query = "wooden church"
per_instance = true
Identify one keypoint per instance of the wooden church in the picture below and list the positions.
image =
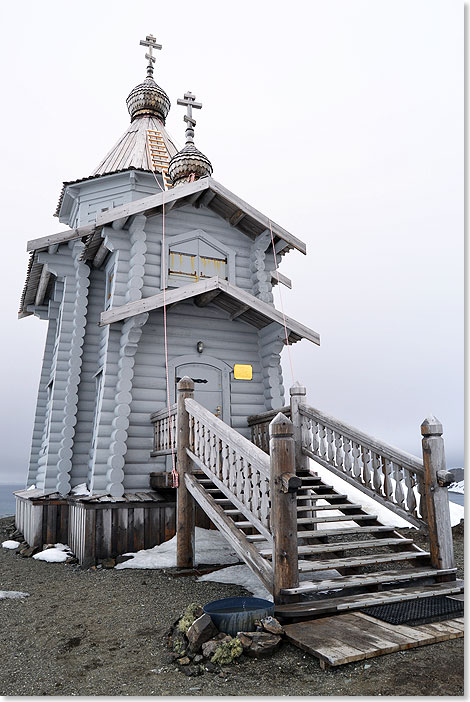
(162, 273)
(161, 402)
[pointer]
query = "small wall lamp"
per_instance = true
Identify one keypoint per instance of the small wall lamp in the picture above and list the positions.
(200, 347)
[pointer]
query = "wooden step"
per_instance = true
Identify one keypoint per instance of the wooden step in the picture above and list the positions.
(319, 533)
(320, 508)
(341, 518)
(359, 561)
(230, 512)
(255, 537)
(344, 546)
(326, 496)
(366, 599)
(382, 577)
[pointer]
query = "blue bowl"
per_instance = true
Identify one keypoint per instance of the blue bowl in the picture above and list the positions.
(234, 614)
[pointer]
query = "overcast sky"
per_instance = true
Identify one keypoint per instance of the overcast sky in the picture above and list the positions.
(340, 120)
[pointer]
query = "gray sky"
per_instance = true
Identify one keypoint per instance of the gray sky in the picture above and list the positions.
(340, 120)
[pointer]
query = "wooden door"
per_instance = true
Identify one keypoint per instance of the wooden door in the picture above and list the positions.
(208, 385)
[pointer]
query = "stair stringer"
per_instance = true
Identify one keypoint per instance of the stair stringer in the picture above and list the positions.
(237, 540)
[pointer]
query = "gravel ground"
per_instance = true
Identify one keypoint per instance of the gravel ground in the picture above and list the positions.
(103, 633)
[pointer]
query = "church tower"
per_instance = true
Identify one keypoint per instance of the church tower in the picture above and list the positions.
(162, 273)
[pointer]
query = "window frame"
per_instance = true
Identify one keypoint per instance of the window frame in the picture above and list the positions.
(181, 239)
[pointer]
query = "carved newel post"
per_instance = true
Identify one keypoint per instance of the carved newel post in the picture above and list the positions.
(283, 492)
(298, 396)
(436, 480)
(185, 501)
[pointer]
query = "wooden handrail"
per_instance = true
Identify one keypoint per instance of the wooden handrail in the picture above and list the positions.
(256, 457)
(163, 413)
(407, 460)
(390, 476)
(267, 416)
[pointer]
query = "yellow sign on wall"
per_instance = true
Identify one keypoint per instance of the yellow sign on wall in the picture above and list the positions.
(242, 372)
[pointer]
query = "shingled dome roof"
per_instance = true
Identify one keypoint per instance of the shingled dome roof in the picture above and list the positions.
(148, 98)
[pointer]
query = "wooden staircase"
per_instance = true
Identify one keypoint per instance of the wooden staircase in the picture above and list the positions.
(358, 582)
(315, 550)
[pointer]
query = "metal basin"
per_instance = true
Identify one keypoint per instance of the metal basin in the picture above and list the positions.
(234, 614)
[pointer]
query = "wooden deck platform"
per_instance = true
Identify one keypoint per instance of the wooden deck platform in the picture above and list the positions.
(346, 638)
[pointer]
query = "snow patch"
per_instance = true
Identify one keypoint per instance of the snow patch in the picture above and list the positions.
(31, 487)
(80, 490)
(210, 547)
(385, 516)
(242, 575)
(10, 544)
(12, 594)
(58, 554)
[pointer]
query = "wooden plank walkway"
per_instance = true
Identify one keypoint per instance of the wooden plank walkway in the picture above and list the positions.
(346, 638)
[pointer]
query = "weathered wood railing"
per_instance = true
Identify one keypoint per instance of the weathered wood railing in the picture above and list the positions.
(164, 422)
(237, 467)
(386, 474)
(259, 424)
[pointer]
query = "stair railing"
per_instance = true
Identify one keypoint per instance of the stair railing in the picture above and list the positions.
(412, 488)
(262, 488)
(259, 424)
(164, 431)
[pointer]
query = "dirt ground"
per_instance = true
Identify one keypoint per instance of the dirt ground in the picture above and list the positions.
(102, 633)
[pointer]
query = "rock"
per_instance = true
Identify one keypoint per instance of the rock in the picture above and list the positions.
(93, 568)
(272, 626)
(108, 563)
(46, 546)
(198, 658)
(209, 648)
(259, 644)
(184, 661)
(192, 612)
(189, 671)
(30, 551)
(200, 631)
(210, 667)
(123, 559)
(71, 559)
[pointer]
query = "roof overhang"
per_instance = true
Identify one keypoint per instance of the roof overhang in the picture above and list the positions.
(205, 192)
(240, 305)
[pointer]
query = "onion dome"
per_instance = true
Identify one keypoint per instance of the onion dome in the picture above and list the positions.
(189, 164)
(148, 98)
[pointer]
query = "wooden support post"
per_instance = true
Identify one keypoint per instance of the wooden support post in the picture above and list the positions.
(298, 396)
(436, 479)
(283, 506)
(185, 501)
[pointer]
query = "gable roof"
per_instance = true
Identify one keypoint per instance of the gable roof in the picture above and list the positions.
(239, 303)
(203, 192)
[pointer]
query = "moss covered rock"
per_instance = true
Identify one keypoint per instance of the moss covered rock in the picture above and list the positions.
(227, 652)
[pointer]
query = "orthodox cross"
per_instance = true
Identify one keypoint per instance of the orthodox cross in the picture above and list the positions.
(190, 101)
(152, 44)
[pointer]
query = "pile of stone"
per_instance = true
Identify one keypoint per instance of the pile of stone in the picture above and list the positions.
(197, 646)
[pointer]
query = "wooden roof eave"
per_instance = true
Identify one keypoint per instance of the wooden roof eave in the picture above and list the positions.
(208, 192)
(252, 310)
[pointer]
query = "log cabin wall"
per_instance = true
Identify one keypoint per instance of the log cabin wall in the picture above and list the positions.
(87, 389)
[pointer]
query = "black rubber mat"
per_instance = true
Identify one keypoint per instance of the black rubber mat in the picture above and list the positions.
(423, 610)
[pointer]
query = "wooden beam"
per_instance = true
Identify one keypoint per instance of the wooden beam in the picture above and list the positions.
(206, 298)
(154, 202)
(205, 199)
(236, 217)
(60, 238)
(100, 255)
(279, 278)
(185, 524)
(240, 311)
(147, 304)
(42, 286)
(194, 289)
